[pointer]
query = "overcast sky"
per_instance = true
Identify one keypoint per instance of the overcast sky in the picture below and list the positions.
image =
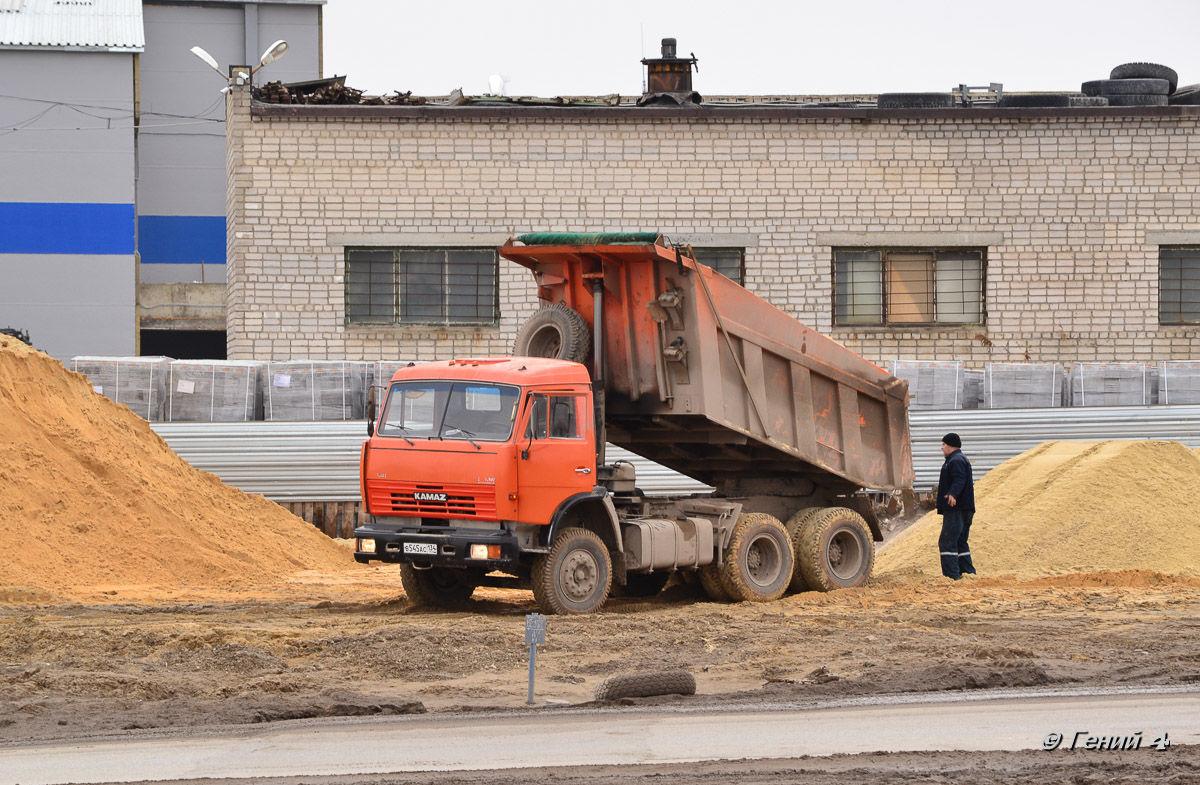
(753, 46)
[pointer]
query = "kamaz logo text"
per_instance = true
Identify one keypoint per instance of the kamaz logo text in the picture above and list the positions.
(428, 496)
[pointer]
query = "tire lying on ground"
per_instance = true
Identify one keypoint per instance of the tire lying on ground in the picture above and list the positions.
(1037, 101)
(644, 685)
(1126, 87)
(1133, 99)
(437, 587)
(556, 332)
(836, 550)
(1146, 71)
(758, 562)
(916, 101)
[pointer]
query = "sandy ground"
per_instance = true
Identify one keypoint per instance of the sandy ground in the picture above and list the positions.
(351, 645)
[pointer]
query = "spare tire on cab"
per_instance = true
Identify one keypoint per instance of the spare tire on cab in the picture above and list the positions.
(556, 332)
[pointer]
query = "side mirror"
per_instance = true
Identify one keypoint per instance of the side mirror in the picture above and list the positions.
(371, 410)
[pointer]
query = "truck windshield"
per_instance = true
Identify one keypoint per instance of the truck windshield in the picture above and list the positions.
(450, 410)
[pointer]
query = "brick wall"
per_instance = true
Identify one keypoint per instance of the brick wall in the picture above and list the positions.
(1070, 207)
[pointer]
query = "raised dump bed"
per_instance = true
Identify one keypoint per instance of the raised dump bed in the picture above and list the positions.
(705, 377)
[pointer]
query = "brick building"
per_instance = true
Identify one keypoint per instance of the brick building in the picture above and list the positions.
(974, 234)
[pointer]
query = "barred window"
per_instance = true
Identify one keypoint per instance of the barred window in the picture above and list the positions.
(901, 287)
(729, 262)
(1179, 285)
(421, 286)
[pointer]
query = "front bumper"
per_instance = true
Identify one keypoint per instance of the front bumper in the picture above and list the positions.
(450, 546)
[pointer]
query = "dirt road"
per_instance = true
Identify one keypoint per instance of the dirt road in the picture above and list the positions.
(321, 647)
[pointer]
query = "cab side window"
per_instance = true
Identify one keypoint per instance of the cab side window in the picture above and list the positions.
(563, 424)
(554, 417)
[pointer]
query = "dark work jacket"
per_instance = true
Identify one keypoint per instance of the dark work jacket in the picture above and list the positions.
(955, 481)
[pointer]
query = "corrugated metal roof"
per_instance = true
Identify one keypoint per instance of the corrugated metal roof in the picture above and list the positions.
(106, 25)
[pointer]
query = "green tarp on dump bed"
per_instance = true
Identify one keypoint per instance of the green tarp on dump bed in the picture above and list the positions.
(589, 238)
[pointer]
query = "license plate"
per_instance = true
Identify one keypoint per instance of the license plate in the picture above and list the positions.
(422, 548)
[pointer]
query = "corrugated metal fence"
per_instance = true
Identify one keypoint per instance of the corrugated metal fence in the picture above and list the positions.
(297, 463)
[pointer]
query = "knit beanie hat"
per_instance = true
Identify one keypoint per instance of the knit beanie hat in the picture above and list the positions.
(952, 440)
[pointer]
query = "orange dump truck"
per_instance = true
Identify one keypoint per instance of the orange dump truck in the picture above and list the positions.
(492, 471)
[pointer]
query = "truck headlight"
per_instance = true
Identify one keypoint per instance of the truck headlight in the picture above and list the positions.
(366, 546)
(480, 551)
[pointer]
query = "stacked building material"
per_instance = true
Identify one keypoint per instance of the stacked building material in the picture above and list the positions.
(138, 382)
(383, 370)
(1178, 382)
(316, 390)
(973, 389)
(381, 375)
(931, 384)
(1114, 384)
(1024, 385)
(214, 391)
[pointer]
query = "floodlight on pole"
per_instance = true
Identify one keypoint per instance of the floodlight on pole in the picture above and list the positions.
(273, 53)
(240, 74)
(208, 59)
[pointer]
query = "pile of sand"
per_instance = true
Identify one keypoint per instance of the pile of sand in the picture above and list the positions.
(93, 502)
(1068, 507)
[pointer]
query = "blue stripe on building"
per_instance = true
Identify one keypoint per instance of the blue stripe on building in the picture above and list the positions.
(66, 228)
(181, 239)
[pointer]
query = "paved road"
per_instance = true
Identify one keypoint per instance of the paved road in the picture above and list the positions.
(582, 737)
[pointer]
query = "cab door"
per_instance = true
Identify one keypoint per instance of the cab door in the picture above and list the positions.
(556, 458)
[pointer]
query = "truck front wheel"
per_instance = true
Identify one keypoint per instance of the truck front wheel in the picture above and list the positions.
(758, 562)
(437, 587)
(575, 576)
(836, 550)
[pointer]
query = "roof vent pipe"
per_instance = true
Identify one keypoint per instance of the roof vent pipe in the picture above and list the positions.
(669, 78)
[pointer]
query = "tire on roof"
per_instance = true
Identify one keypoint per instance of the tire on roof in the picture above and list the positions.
(1186, 96)
(1146, 71)
(1136, 100)
(1126, 87)
(1040, 100)
(916, 101)
(1088, 100)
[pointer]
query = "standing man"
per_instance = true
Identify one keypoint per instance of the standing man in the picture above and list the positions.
(956, 504)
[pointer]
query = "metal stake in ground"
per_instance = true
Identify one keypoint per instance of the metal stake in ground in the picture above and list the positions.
(535, 633)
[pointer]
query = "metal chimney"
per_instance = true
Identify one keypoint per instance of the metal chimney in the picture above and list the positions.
(669, 78)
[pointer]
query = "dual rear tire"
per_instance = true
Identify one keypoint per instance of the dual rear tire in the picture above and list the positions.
(826, 548)
(834, 549)
(758, 562)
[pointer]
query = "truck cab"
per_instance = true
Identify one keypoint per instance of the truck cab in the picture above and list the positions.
(469, 465)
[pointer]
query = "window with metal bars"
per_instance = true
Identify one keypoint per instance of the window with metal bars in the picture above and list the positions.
(444, 286)
(1179, 285)
(907, 287)
(729, 262)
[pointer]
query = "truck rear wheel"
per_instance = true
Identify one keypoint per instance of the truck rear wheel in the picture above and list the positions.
(437, 587)
(556, 332)
(710, 581)
(758, 562)
(794, 526)
(575, 576)
(836, 550)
